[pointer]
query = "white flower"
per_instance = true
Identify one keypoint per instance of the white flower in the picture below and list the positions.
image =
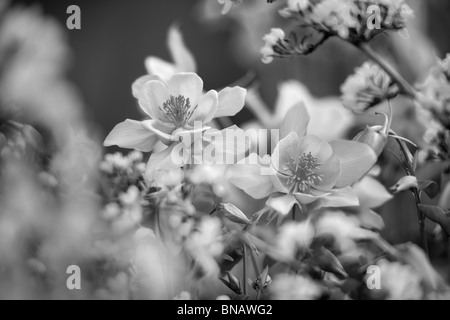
(272, 39)
(400, 282)
(344, 229)
(296, 5)
(294, 287)
(369, 86)
(329, 120)
(292, 239)
(205, 245)
(178, 110)
(228, 4)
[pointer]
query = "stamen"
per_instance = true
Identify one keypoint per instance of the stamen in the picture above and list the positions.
(178, 111)
(301, 172)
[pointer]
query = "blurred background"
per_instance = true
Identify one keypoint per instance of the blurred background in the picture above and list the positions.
(108, 54)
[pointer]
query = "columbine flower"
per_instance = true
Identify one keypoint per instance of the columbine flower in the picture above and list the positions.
(178, 111)
(305, 169)
(369, 86)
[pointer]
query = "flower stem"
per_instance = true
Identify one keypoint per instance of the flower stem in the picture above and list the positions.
(422, 219)
(404, 85)
(245, 269)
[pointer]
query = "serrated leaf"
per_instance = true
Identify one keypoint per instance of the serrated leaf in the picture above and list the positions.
(438, 215)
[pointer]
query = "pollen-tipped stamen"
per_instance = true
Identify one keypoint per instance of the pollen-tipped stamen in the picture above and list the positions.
(302, 174)
(178, 110)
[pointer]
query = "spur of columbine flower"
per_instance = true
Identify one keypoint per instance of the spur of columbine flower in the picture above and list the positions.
(178, 111)
(305, 170)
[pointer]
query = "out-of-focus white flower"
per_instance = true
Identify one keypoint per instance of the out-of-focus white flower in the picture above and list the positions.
(184, 296)
(294, 287)
(169, 178)
(205, 245)
(329, 120)
(371, 193)
(223, 298)
(228, 4)
(292, 239)
(345, 230)
(369, 86)
(297, 5)
(400, 282)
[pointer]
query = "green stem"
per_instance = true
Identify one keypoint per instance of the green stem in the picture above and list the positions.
(422, 219)
(244, 263)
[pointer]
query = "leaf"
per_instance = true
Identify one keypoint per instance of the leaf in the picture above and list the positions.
(431, 188)
(445, 197)
(438, 215)
(328, 262)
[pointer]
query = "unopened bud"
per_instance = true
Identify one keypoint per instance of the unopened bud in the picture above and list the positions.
(405, 184)
(376, 137)
(234, 214)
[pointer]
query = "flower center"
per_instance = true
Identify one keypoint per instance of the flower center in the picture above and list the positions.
(301, 173)
(178, 110)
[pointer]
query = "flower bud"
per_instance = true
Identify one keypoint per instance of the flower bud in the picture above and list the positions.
(376, 137)
(405, 184)
(234, 214)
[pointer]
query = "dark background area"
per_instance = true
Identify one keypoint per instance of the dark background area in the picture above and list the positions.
(116, 37)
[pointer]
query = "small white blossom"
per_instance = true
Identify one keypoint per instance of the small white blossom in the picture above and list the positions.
(369, 86)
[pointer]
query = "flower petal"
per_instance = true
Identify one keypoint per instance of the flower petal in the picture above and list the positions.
(316, 146)
(188, 85)
(131, 134)
(371, 193)
(330, 172)
(357, 159)
(206, 108)
(285, 151)
(231, 102)
(163, 69)
(297, 120)
(283, 204)
(250, 178)
(338, 198)
(181, 55)
(162, 130)
(304, 198)
(160, 161)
